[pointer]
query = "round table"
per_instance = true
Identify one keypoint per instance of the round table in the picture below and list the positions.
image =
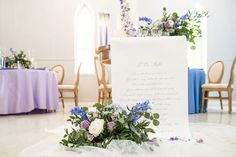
(23, 90)
(196, 77)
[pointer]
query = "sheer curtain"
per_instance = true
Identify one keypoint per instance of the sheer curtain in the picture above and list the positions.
(103, 20)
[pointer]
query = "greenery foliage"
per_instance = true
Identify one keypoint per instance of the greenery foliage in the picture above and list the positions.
(103, 123)
(18, 57)
(188, 25)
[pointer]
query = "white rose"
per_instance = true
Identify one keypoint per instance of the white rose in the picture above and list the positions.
(96, 127)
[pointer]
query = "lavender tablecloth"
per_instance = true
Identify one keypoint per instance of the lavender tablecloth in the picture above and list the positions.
(24, 90)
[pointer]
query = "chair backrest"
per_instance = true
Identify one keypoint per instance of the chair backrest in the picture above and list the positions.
(232, 70)
(76, 83)
(100, 72)
(103, 52)
(59, 72)
(216, 72)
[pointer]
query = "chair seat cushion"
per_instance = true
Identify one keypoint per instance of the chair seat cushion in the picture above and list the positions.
(215, 85)
(108, 86)
(66, 87)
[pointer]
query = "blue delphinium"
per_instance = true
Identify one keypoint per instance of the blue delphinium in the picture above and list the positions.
(78, 111)
(138, 110)
(184, 17)
(141, 107)
(146, 19)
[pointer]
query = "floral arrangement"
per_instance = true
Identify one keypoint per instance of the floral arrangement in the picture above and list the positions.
(99, 125)
(128, 26)
(20, 58)
(171, 24)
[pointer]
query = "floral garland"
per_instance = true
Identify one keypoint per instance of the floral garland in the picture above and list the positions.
(188, 25)
(128, 25)
(100, 125)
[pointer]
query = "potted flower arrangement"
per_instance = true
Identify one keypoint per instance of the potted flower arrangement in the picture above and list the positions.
(171, 24)
(188, 25)
(103, 123)
(18, 58)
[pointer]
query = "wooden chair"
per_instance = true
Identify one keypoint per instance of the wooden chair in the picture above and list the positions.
(216, 85)
(59, 72)
(71, 88)
(103, 53)
(104, 88)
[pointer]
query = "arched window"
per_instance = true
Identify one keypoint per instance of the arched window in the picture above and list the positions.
(84, 39)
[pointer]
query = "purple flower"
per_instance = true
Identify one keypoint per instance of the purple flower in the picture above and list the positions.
(145, 19)
(111, 125)
(170, 18)
(84, 124)
(90, 137)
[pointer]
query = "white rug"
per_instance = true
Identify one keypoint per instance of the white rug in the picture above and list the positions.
(218, 141)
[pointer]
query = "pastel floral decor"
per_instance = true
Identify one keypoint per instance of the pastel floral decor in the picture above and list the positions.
(99, 125)
(171, 24)
(18, 58)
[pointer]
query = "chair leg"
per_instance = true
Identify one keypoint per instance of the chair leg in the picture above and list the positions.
(230, 100)
(99, 96)
(221, 104)
(76, 98)
(206, 96)
(105, 97)
(62, 100)
(203, 101)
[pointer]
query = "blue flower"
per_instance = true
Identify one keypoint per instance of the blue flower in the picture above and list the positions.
(184, 17)
(78, 111)
(145, 19)
(138, 110)
(141, 107)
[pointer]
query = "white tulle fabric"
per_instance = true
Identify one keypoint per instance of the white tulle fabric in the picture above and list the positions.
(219, 140)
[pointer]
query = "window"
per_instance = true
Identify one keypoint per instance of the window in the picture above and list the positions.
(84, 39)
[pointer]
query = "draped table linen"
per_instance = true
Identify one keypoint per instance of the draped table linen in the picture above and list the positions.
(23, 90)
(196, 77)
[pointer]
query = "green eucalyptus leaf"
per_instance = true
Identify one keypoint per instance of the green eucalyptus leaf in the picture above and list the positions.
(156, 115)
(147, 115)
(149, 130)
(85, 109)
(156, 122)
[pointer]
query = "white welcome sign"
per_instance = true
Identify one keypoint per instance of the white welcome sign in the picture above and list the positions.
(154, 69)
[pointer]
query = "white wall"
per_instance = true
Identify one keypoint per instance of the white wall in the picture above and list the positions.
(47, 28)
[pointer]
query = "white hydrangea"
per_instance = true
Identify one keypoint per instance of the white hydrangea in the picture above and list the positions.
(96, 127)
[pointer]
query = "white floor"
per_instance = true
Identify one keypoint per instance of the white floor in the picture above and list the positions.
(20, 131)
